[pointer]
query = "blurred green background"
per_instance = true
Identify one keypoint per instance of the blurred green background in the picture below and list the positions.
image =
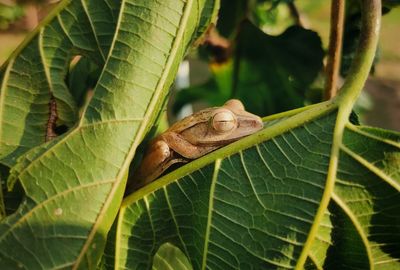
(383, 88)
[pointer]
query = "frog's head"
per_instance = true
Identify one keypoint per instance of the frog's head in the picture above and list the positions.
(223, 125)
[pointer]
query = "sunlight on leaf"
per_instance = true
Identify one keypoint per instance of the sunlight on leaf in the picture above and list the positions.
(169, 257)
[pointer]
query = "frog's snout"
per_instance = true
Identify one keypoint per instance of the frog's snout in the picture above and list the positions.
(257, 123)
(250, 122)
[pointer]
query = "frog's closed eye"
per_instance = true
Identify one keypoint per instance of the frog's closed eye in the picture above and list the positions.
(223, 121)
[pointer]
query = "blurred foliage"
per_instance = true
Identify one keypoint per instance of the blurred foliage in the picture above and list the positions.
(351, 34)
(264, 13)
(270, 74)
(352, 29)
(261, 54)
(272, 18)
(9, 14)
(388, 4)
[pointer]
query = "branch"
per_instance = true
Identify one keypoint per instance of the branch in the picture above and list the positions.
(335, 48)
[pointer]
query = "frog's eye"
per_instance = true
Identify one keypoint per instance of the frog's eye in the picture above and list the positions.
(223, 121)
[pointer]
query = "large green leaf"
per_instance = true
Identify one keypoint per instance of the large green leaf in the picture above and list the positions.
(311, 190)
(253, 208)
(229, 214)
(75, 182)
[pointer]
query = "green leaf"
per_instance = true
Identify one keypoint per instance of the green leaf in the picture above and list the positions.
(226, 213)
(254, 206)
(75, 182)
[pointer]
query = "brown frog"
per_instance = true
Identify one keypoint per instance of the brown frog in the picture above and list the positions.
(193, 137)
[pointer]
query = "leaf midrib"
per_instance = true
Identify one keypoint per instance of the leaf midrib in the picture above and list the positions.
(355, 129)
(340, 123)
(369, 166)
(210, 211)
(2, 95)
(356, 224)
(93, 30)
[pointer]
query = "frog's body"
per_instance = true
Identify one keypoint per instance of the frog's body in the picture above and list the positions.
(195, 136)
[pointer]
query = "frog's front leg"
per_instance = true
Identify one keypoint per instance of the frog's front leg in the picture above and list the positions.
(157, 154)
(184, 148)
(152, 165)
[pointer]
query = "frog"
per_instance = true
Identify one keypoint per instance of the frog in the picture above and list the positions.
(195, 136)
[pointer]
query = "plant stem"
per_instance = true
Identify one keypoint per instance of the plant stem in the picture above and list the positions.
(335, 48)
(359, 71)
(362, 63)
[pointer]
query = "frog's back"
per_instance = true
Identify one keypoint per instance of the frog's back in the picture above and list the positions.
(191, 120)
